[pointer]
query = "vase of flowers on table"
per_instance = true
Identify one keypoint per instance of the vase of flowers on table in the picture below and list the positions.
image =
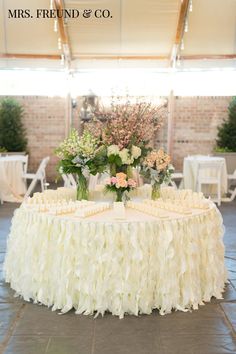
(126, 128)
(81, 156)
(156, 167)
(120, 184)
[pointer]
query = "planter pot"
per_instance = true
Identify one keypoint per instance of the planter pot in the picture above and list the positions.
(230, 158)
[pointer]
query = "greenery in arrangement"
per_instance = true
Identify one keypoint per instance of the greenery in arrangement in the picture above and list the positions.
(81, 156)
(226, 141)
(12, 132)
(117, 140)
(157, 168)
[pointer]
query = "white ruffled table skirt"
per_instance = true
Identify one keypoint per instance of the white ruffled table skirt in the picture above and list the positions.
(131, 266)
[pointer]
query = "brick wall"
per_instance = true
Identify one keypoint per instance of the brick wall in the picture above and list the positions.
(44, 119)
(194, 128)
(195, 125)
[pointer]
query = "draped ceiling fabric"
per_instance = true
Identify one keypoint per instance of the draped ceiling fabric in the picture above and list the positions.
(137, 28)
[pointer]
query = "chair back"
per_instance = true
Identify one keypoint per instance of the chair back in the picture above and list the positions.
(69, 181)
(40, 174)
(209, 171)
(42, 167)
(93, 181)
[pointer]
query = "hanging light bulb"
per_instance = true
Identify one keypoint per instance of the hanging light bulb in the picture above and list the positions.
(182, 45)
(55, 26)
(62, 59)
(178, 61)
(191, 6)
(186, 26)
(59, 43)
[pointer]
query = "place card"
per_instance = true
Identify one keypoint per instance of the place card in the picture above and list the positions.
(147, 209)
(92, 210)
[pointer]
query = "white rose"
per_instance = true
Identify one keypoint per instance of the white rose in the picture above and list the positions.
(113, 150)
(136, 152)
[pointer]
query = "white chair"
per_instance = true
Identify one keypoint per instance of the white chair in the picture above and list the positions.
(209, 173)
(69, 181)
(25, 163)
(176, 176)
(40, 175)
(231, 177)
(93, 181)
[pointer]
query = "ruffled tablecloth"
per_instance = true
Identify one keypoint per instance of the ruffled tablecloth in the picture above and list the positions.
(130, 266)
(12, 185)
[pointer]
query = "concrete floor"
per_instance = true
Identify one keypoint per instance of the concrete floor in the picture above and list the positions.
(30, 329)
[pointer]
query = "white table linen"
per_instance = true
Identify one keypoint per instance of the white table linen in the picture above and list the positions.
(130, 266)
(12, 185)
(190, 169)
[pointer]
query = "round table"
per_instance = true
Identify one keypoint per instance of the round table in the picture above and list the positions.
(100, 264)
(190, 169)
(12, 185)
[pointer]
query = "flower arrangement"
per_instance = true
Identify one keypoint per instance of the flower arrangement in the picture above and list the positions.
(156, 166)
(120, 184)
(80, 156)
(126, 130)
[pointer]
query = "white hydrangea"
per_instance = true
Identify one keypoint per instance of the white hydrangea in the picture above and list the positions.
(136, 152)
(125, 157)
(113, 150)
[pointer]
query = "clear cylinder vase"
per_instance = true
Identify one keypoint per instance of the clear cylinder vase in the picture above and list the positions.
(156, 191)
(119, 195)
(82, 187)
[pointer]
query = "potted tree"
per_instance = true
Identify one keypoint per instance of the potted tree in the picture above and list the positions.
(226, 139)
(12, 132)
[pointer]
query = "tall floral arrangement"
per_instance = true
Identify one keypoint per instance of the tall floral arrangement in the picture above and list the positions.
(157, 167)
(81, 155)
(126, 130)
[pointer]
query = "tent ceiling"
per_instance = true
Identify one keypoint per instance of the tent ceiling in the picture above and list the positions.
(138, 29)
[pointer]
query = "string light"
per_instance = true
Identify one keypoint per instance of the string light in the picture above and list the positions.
(178, 61)
(191, 6)
(186, 26)
(62, 59)
(55, 26)
(59, 43)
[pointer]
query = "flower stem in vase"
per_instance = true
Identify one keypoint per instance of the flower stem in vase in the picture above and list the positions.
(82, 187)
(119, 195)
(156, 191)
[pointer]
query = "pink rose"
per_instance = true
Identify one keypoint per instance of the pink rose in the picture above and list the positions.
(113, 180)
(131, 183)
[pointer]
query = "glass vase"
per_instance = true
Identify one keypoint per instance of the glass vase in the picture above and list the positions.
(82, 187)
(119, 195)
(156, 191)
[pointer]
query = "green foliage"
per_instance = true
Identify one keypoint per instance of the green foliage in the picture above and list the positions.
(227, 131)
(3, 149)
(12, 132)
(115, 159)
